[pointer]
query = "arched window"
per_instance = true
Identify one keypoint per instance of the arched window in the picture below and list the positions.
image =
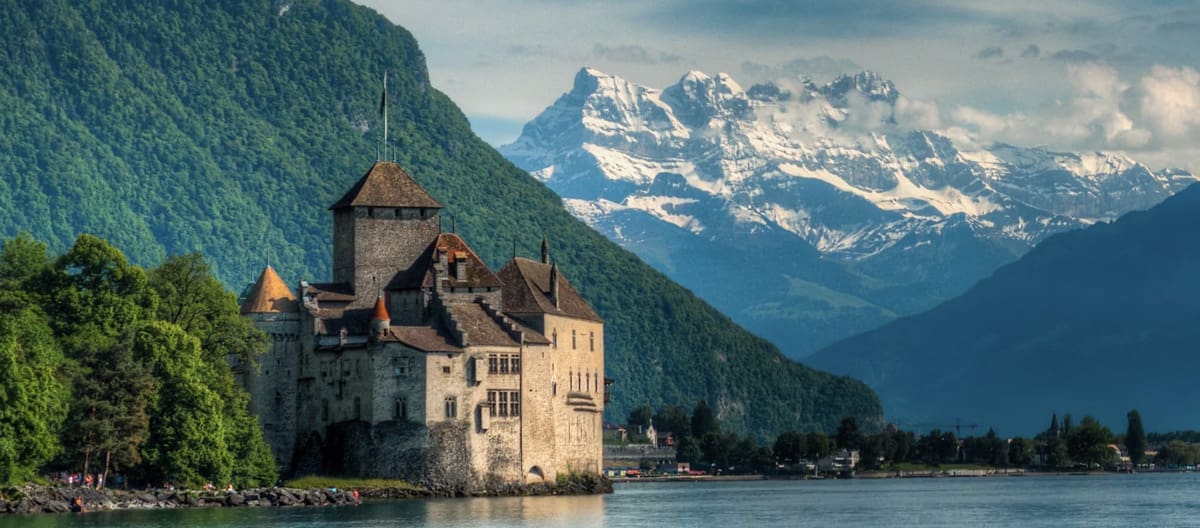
(401, 412)
(451, 407)
(573, 339)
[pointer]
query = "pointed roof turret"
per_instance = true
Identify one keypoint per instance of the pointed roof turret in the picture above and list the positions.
(386, 184)
(269, 294)
(545, 251)
(380, 313)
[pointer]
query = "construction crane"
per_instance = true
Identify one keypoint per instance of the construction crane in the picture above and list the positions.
(957, 425)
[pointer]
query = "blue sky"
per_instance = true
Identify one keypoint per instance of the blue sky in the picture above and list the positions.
(1079, 75)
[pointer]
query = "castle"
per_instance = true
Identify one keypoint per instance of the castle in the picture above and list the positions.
(418, 362)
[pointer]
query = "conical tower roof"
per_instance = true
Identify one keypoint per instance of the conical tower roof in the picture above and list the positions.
(269, 295)
(386, 184)
(380, 313)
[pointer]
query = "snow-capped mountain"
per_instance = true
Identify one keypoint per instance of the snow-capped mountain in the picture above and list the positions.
(811, 212)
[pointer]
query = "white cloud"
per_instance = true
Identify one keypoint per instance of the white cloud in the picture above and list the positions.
(1169, 102)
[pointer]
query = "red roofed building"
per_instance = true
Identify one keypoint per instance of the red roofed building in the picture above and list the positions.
(418, 361)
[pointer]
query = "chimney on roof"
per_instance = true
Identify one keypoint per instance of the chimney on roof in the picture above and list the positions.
(553, 283)
(545, 251)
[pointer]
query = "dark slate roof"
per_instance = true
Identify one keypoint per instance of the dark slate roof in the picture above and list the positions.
(481, 328)
(527, 291)
(386, 184)
(478, 274)
(269, 295)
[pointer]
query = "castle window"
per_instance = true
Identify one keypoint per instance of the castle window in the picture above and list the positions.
(504, 364)
(503, 403)
(491, 402)
(357, 408)
(401, 412)
(554, 338)
(515, 364)
(401, 366)
(573, 340)
(446, 370)
(345, 368)
(579, 380)
(592, 341)
(589, 382)
(451, 407)
(493, 361)
(514, 403)
(570, 380)
(554, 388)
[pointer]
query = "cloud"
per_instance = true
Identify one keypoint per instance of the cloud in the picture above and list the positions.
(991, 52)
(819, 68)
(1169, 101)
(1074, 55)
(633, 54)
(1157, 116)
(1031, 52)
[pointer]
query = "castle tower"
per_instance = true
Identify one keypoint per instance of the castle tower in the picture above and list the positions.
(272, 308)
(382, 227)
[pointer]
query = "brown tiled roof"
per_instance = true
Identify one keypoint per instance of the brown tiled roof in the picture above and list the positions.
(481, 328)
(527, 291)
(269, 295)
(424, 338)
(478, 274)
(386, 184)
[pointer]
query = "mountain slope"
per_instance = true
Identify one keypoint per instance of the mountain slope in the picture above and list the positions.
(832, 213)
(1096, 322)
(229, 128)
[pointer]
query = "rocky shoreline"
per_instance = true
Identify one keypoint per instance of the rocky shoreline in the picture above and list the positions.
(33, 498)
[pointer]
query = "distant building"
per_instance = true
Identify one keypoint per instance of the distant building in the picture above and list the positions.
(419, 362)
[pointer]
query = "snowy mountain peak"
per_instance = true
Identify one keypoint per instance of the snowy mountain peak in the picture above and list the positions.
(865, 83)
(705, 164)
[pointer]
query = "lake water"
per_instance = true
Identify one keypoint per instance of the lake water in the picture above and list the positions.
(1051, 501)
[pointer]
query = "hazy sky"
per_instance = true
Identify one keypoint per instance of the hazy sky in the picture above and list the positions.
(1074, 74)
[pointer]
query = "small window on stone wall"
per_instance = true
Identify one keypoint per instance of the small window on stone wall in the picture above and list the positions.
(401, 412)
(591, 341)
(446, 370)
(451, 406)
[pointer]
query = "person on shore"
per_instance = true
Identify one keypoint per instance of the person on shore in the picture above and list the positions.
(356, 499)
(77, 505)
(229, 488)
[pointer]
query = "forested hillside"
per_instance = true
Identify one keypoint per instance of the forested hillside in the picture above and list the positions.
(228, 128)
(1092, 322)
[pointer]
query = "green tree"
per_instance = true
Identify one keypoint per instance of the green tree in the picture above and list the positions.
(110, 411)
(187, 441)
(704, 421)
(33, 400)
(687, 449)
(819, 445)
(1135, 438)
(21, 259)
(848, 436)
(640, 416)
(1020, 452)
(191, 297)
(790, 447)
(1088, 443)
(674, 419)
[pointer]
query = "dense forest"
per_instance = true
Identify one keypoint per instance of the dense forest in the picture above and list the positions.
(110, 369)
(228, 128)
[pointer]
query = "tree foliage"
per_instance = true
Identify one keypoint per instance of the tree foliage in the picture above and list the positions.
(148, 396)
(1135, 438)
(227, 128)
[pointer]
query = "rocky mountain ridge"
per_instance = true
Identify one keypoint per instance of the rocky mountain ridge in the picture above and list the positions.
(863, 217)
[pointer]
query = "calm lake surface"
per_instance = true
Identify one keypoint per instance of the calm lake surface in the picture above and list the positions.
(1052, 501)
